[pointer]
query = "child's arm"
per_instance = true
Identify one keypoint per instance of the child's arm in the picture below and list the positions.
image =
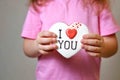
(43, 44)
(97, 45)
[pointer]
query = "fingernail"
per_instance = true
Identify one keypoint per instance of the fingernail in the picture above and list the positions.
(81, 41)
(54, 46)
(54, 35)
(54, 40)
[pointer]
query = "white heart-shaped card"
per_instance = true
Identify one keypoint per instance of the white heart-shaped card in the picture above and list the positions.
(69, 37)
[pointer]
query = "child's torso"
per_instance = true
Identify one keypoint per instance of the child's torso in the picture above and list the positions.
(79, 67)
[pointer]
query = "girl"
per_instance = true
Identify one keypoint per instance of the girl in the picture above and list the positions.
(100, 42)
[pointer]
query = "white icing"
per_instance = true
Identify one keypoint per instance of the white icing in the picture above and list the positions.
(69, 43)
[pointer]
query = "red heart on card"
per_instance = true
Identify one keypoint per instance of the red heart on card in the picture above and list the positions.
(71, 33)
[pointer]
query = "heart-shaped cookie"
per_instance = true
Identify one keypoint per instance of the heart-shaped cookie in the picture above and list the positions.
(69, 37)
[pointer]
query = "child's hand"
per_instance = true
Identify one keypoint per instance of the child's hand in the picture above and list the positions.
(93, 44)
(46, 42)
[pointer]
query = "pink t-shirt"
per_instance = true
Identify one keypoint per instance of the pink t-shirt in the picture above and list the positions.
(81, 66)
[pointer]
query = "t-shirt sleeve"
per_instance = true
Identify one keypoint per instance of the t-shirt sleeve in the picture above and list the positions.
(108, 24)
(32, 24)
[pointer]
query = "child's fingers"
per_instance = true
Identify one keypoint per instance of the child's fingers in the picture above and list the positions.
(45, 49)
(47, 34)
(92, 36)
(92, 51)
(92, 42)
(44, 52)
(46, 40)
(94, 54)
(46, 37)
(92, 48)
